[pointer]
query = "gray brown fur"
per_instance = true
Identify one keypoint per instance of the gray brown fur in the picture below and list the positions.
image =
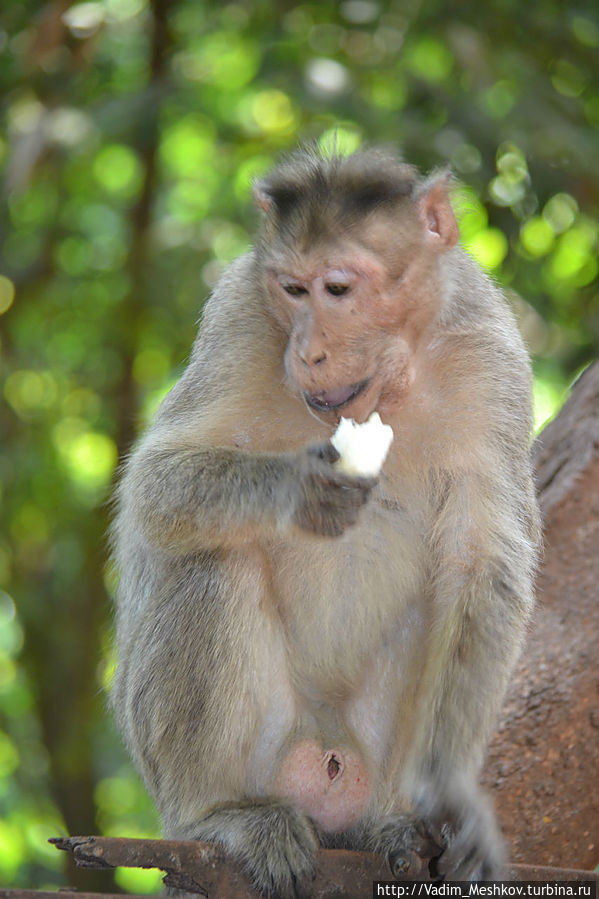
(264, 597)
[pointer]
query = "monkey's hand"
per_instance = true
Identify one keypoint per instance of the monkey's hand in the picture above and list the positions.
(327, 501)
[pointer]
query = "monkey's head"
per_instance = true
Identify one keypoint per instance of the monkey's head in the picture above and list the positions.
(349, 255)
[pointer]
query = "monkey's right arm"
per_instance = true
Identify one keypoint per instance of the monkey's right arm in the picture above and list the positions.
(186, 497)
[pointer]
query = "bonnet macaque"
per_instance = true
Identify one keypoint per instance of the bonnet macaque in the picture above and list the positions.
(309, 657)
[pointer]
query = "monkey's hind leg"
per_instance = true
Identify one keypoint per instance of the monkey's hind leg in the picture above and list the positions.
(207, 712)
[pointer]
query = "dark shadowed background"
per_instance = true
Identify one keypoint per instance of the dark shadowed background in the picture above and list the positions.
(130, 131)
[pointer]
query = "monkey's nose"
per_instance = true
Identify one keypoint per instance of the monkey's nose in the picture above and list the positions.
(313, 359)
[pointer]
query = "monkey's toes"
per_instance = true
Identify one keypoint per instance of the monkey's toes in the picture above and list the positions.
(405, 863)
(408, 842)
(478, 861)
(275, 844)
(474, 853)
(283, 864)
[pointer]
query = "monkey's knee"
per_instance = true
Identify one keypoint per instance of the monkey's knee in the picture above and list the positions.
(330, 786)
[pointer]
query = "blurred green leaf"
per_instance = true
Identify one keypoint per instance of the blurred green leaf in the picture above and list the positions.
(118, 170)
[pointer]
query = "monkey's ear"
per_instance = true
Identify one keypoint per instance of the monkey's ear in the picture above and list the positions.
(275, 198)
(262, 197)
(436, 213)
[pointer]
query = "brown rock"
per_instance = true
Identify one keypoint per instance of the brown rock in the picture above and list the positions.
(543, 766)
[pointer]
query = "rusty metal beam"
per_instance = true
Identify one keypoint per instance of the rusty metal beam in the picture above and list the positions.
(205, 869)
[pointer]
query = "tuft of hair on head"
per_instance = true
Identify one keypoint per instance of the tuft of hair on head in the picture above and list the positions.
(309, 188)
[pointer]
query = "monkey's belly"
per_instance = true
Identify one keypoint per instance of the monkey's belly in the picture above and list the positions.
(331, 787)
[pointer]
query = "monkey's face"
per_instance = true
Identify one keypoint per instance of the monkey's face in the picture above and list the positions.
(354, 295)
(343, 315)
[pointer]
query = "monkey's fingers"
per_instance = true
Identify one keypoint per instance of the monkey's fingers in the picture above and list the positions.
(331, 523)
(405, 862)
(318, 517)
(325, 451)
(347, 489)
(344, 497)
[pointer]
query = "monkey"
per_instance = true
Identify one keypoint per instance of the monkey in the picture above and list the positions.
(309, 658)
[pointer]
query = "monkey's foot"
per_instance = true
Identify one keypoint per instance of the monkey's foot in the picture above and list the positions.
(407, 841)
(474, 848)
(274, 843)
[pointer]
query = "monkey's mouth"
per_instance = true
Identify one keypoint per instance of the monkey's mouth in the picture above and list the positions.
(329, 400)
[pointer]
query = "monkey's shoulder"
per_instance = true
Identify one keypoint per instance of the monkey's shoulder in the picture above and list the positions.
(234, 318)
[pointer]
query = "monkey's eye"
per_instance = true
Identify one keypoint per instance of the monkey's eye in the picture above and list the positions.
(337, 290)
(294, 290)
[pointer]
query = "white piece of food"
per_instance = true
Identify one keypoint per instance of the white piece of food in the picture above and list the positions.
(364, 447)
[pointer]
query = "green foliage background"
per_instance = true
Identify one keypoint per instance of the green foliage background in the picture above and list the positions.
(130, 133)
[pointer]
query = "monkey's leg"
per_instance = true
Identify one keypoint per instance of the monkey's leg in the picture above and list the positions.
(431, 806)
(206, 706)
(481, 602)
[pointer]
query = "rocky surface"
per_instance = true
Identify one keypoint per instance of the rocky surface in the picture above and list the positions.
(543, 765)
